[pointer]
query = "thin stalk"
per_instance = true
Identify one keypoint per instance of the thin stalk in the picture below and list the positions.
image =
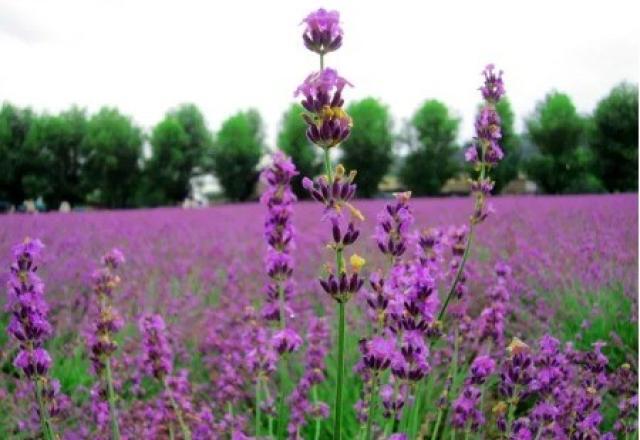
(111, 395)
(45, 423)
(316, 435)
(467, 433)
(283, 376)
(172, 435)
(269, 416)
(539, 433)
(337, 426)
(372, 404)
(468, 247)
(512, 410)
(281, 394)
(456, 280)
(328, 169)
(434, 434)
(186, 433)
(258, 417)
(283, 309)
(415, 413)
(321, 61)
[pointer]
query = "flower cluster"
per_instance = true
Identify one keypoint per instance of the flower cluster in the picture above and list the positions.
(327, 122)
(30, 327)
(323, 33)
(157, 359)
(107, 319)
(279, 234)
(485, 150)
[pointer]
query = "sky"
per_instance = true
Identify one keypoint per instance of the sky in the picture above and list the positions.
(146, 57)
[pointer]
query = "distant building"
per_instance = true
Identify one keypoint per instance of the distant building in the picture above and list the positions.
(204, 188)
(457, 186)
(520, 185)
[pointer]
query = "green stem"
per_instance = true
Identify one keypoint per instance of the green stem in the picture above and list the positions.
(282, 392)
(372, 404)
(512, 410)
(328, 169)
(186, 433)
(316, 435)
(434, 434)
(258, 407)
(456, 280)
(269, 417)
(283, 309)
(415, 413)
(111, 395)
(321, 61)
(45, 423)
(467, 432)
(337, 426)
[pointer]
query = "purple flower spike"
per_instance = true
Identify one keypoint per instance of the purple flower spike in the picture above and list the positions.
(493, 88)
(156, 355)
(323, 33)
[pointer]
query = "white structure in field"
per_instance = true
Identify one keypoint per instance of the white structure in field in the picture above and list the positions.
(204, 187)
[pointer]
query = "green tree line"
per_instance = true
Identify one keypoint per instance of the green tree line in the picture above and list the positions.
(100, 159)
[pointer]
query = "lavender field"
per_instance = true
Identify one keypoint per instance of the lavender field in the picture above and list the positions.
(320, 312)
(573, 273)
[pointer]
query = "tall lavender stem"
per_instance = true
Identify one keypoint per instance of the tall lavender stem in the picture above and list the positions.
(488, 134)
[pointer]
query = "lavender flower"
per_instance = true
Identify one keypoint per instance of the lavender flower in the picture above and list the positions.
(279, 234)
(323, 33)
(30, 327)
(286, 341)
(327, 123)
(393, 225)
(156, 353)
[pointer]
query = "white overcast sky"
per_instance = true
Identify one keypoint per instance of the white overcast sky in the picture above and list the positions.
(145, 57)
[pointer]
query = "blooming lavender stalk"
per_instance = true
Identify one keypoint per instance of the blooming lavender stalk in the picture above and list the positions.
(279, 235)
(157, 362)
(30, 327)
(484, 153)
(328, 125)
(101, 341)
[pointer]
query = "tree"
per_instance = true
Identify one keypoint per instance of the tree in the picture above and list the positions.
(237, 151)
(57, 141)
(292, 140)
(508, 168)
(113, 147)
(180, 143)
(431, 159)
(562, 163)
(614, 138)
(368, 149)
(166, 172)
(16, 164)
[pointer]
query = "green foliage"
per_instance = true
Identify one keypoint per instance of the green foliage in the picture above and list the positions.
(369, 148)
(180, 143)
(55, 141)
(509, 167)
(16, 164)
(292, 140)
(237, 151)
(431, 160)
(588, 317)
(563, 164)
(113, 147)
(614, 138)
